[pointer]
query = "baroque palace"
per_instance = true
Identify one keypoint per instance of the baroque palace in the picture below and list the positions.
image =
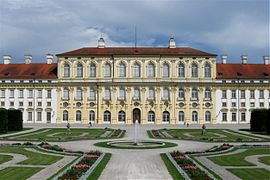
(118, 85)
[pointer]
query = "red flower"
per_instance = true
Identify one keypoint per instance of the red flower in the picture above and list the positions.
(67, 150)
(81, 166)
(46, 146)
(91, 156)
(190, 167)
(180, 157)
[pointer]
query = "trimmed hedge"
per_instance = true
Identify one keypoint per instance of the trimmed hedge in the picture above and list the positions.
(3, 120)
(15, 120)
(258, 121)
(268, 122)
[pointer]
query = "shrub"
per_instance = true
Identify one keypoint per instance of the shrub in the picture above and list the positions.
(15, 120)
(3, 120)
(268, 122)
(258, 121)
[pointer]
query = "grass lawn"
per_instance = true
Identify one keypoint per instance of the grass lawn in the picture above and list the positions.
(171, 168)
(212, 135)
(251, 174)
(100, 167)
(33, 157)
(59, 134)
(5, 158)
(10, 132)
(265, 160)
(104, 144)
(239, 158)
(14, 173)
(261, 133)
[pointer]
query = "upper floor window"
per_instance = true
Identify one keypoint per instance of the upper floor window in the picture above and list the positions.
(151, 70)
(194, 70)
(207, 70)
(252, 94)
(261, 94)
(181, 93)
(107, 93)
(166, 70)
(137, 70)
(136, 94)
(181, 70)
(92, 70)
(166, 94)
(79, 94)
(122, 93)
(79, 70)
(2, 93)
(92, 94)
(207, 94)
(66, 93)
(21, 93)
(49, 93)
(151, 94)
(107, 72)
(11, 93)
(122, 70)
(39, 94)
(66, 70)
(30, 93)
(243, 94)
(224, 94)
(194, 93)
(233, 94)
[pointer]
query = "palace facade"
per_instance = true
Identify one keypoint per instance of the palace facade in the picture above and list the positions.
(118, 85)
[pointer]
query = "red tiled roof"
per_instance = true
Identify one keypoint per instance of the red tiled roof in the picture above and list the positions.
(28, 71)
(88, 51)
(243, 71)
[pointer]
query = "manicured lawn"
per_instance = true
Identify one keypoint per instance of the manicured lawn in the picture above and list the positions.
(265, 160)
(171, 168)
(33, 157)
(15, 173)
(251, 174)
(60, 134)
(10, 132)
(219, 135)
(4, 158)
(100, 167)
(239, 158)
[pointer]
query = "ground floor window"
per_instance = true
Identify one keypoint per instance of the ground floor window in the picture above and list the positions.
(151, 116)
(194, 116)
(39, 116)
(207, 116)
(49, 117)
(91, 116)
(224, 116)
(234, 117)
(121, 116)
(30, 116)
(107, 116)
(78, 115)
(166, 116)
(243, 116)
(65, 115)
(181, 116)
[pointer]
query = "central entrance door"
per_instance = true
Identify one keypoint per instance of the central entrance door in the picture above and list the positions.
(136, 115)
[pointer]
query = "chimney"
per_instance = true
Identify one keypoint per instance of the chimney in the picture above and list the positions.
(266, 60)
(172, 43)
(244, 59)
(224, 59)
(49, 58)
(7, 59)
(101, 43)
(28, 59)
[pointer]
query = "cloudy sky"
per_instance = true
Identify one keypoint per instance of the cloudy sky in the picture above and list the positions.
(38, 27)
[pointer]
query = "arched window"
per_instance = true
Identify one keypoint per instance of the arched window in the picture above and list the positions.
(166, 70)
(207, 116)
(151, 117)
(92, 70)
(194, 70)
(92, 116)
(181, 93)
(107, 116)
(194, 94)
(65, 115)
(181, 70)
(207, 93)
(137, 70)
(65, 93)
(79, 70)
(107, 94)
(151, 70)
(107, 72)
(92, 94)
(181, 116)
(122, 93)
(122, 70)
(151, 94)
(66, 70)
(166, 94)
(207, 70)
(121, 116)
(194, 116)
(136, 94)
(79, 94)
(78, 115)
(166, 116)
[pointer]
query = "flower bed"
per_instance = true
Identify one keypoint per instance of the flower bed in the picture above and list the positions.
(156, 133)
(189, 167)
(223, 147)
(82, 166)
(57, 148)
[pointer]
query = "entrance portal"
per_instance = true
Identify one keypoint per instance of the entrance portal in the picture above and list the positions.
(137, 115)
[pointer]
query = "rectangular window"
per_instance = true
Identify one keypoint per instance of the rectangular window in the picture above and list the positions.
(243, 94)
(233, 117)
(30, 116)
(92, 94)
(49, 117)
(12, 93)
(224, 116)
(20, 104)
(261, 94)
(30, 104)
(233, 94)
(2, 103)
(49, 93)
(39, 95)
(224, 94)
(233, 104)
(243, 104)
(30, 93)
(252, 104)
(261, 104)
(2, 93)
(49, 104)
(38, 116)
(224, 104)
(11, 103)
(39, 104)
(243, 116)
(20, 93)
(252, 94)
